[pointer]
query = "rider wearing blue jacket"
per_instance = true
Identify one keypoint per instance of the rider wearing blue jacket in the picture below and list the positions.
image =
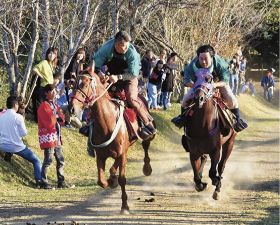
(219, 68)
(123, 63)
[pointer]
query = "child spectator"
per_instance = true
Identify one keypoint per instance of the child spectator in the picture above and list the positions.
(49, 121)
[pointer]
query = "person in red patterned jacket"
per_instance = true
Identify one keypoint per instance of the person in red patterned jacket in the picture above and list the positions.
(50, 119)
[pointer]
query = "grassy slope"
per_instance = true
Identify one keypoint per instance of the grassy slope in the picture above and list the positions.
(15, 178)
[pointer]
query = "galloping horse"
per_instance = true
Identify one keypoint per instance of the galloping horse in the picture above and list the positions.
(110, 137)
(203, 135)
(82, 94)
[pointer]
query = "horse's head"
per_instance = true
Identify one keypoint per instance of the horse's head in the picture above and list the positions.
(202, 93)
(88, 89)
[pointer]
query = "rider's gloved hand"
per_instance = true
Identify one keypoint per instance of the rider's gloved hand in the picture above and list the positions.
(101, 75)
(113, 78)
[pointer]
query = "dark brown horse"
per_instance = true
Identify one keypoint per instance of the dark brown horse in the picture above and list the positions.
(110, 138)
(203, 135)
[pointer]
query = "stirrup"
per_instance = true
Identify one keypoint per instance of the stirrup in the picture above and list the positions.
(240, 125)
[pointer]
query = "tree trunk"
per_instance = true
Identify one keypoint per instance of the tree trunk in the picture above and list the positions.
(35, 37)
(45, 5)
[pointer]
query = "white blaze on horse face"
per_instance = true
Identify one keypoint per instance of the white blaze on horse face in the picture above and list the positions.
(93, 86)
(205, 59)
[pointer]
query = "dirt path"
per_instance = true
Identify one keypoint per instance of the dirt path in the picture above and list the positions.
(249, 191)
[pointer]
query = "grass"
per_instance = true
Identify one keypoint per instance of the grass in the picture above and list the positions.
(16, 178)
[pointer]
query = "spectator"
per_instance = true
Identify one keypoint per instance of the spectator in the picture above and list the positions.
(49, 120)
(248, 86)
(162, 57)
(45, 70)
(147, 64)
(61, 99)
(268, 84)
(73, 70)
(234, 75)
(123, 62)
(12, 129)
(168, 83)
(155, 80)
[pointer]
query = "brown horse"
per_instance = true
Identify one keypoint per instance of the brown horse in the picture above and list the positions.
(110, 137)
(81, 96)
(203, 135)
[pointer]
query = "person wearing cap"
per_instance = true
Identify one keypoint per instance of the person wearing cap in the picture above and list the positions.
(50, 119)
(268, 84)
(219, 68)
(12, 129)
(123, 62)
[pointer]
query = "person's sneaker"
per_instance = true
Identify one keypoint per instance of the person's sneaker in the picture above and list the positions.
(47, 186)
(69, 126)
(151, 128)
(38, 184)
(8, 156)
(64, 185)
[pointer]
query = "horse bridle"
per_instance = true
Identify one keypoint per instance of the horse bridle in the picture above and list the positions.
(90, 100)
(208, 94)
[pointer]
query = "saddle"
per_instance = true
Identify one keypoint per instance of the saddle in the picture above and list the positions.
(226, 117)
(134, 124)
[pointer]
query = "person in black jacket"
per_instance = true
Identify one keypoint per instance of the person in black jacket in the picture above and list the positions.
(155, 79)
(168, 83)
(75, 67)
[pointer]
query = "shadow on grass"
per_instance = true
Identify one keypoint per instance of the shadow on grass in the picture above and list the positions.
(254, 143)
(271, 186)
(271, 219)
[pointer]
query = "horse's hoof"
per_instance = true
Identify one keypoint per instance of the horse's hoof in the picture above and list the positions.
(125, 212)
(200, 187)
(147, 170)
(216, 195)
(113, 181)
(102, 184)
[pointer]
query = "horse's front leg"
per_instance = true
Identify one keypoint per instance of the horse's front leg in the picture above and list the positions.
(196, 165)
(147, 169)
(122, 183)
(100, 162)
(227, 149)
(216, 180)
(113, 179)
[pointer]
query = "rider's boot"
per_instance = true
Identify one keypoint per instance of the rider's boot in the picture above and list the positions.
(180, 121)
(150, 127)
(240, 123)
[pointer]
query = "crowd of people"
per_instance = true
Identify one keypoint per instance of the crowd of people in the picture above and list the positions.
(158, 75)
(153, 76)
(239, 84)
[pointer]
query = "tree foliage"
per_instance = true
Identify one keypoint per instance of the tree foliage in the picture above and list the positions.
(177, 25)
